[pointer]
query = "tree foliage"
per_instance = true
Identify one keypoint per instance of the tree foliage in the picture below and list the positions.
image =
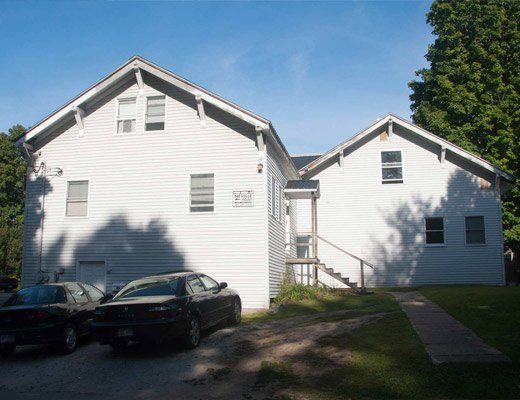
(470, 95)
(12, 200)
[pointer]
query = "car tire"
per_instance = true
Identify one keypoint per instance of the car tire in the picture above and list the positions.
(236, 317)
(191, 338)
(68, 342)
(7, 350)
(118, 344)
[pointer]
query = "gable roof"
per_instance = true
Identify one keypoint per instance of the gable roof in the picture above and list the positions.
(395, 119)
(139, 63)
(301, 160)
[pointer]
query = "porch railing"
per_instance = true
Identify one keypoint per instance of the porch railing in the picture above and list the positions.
(310, 245)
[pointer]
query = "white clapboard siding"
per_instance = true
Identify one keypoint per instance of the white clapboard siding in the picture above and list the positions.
(139, 221)
(384, 224)
(277, 226)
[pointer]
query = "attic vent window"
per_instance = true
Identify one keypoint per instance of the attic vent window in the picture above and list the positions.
(391, 166)
(126, 113)
(155, 111)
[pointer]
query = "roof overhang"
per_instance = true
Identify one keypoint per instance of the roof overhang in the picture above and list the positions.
(394, 119)
(134, 66)
(298, 189)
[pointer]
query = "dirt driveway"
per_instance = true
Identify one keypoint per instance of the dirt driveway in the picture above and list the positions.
(225, 366)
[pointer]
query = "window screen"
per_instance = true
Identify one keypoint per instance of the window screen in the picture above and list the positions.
(155, 111)
(77, 199)
(475, 230)
(202, 193)
(391, 167)
(126, 115)
(434, 230)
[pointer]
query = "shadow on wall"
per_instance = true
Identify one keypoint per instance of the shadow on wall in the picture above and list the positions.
(129, 251)
(402, 258)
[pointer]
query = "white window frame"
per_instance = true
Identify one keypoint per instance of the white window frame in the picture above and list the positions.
(390, 182)
(119, 99)
(443, 244)
(485, 231)
(146, 109)
(272, 183)
(214, 193)
(67, 198)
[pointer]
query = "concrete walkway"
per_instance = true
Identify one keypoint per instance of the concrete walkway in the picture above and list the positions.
(446, 340)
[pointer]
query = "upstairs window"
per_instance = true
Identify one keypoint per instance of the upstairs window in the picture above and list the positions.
(155, 111)
(391, 167)
(126, 113)
(434, 230)
(475, 230)
(77, 199)
(202, 193)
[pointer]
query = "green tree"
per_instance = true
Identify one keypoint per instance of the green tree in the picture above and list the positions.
(470, 94)
(12, 200)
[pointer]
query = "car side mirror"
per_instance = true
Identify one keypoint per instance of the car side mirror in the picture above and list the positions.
(222, 285)
(106, 298)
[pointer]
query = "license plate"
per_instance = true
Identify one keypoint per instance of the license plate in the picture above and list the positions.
(6, 339)
(125, 332)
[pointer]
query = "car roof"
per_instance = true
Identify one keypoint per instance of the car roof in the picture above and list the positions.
(168, 274)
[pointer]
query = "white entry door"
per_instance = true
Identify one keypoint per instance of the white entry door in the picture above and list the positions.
(93, 272)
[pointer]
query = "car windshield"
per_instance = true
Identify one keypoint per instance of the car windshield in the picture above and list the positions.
(37, 295)
(149, 287)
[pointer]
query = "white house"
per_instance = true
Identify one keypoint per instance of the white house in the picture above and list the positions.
(145, 172)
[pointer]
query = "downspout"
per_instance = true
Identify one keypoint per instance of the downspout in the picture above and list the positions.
(29, 157)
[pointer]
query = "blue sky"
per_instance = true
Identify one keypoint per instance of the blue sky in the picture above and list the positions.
(320, 71)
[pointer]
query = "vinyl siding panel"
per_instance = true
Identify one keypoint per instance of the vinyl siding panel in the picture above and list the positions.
(384, 223)
(279, 229)
(139, 220)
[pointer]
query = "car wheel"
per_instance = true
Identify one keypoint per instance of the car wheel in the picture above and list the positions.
(118, 344)
(69, 339)
(7, 350)
(237, 313)
(191, 338)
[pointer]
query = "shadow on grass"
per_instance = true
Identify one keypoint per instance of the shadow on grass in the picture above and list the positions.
(386, 361)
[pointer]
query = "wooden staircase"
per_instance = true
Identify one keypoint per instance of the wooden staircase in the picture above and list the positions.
(336, 275)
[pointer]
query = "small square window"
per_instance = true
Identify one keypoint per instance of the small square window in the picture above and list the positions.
(202, 193)
(155, 112)
(475, 230)
(77, 199)
(434, 230)
(126, 113)
(391, 167)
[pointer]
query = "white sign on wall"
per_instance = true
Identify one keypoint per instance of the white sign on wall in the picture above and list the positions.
(243, 198)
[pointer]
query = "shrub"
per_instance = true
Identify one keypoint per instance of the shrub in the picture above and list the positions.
(293, 292)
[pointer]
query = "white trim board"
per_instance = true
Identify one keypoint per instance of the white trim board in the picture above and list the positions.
(394, 119)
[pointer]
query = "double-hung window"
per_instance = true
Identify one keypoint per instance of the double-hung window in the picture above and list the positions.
(277, 208)
(202, 192)
(77, 199)
(475, 230)
(155, 112)
(391, 166)
(434, 230)
(126, 112)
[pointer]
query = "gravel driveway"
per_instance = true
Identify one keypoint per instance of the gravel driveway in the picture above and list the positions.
(225, 366)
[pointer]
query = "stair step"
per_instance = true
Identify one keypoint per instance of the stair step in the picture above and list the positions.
(302, 261)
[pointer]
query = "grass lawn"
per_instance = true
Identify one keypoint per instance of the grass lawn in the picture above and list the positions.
(387, 359)
(377, 302)
(493, 312)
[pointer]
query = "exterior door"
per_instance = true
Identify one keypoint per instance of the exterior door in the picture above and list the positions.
(93, 273)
